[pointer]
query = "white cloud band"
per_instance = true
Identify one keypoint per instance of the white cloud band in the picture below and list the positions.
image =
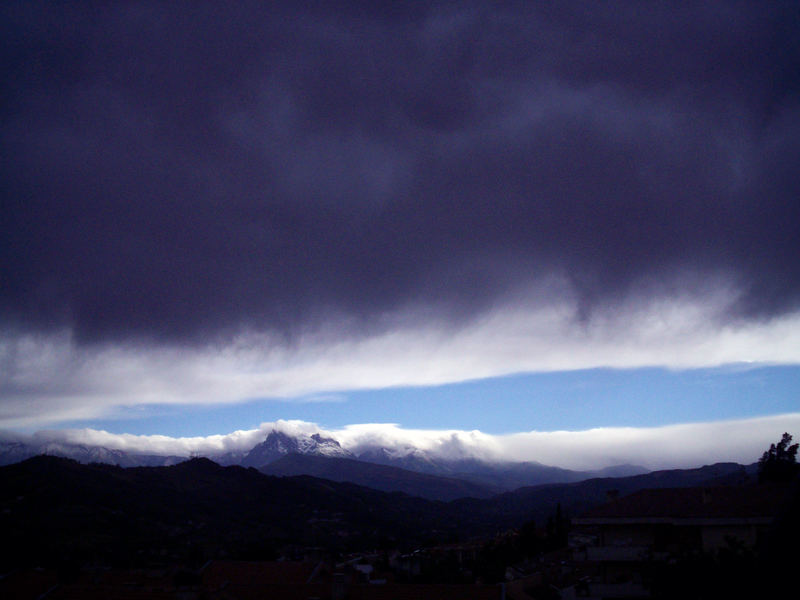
(673, 446)
(50, 379)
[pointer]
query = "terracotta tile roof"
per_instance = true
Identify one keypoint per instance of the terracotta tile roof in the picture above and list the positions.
(232, 572)
(30, 583)
(362, 592)
(103, 592)
(302, 591)
(228, 580)
(422, 592)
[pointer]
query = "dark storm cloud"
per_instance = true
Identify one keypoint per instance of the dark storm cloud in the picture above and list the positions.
(175, 171)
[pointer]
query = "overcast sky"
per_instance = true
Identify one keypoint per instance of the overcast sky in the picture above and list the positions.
(207, 204)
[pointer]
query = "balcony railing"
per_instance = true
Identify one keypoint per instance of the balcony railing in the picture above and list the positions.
(621, 553)
(618, 590)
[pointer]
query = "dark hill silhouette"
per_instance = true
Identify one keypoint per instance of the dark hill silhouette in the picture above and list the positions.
(379, 477)
(537, 502)
(54, 509)
(513, 475)
(502, 475)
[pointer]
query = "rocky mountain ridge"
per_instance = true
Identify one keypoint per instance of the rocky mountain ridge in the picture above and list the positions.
(498, 476)
(279, 444)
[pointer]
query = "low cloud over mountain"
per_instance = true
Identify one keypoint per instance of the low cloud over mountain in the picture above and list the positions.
(676, 446)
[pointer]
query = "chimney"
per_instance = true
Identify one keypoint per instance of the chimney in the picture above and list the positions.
(338, 587)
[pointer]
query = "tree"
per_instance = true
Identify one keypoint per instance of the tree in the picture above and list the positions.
(779, 463)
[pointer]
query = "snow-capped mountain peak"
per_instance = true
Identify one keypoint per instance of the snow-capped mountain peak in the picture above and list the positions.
(278, 444)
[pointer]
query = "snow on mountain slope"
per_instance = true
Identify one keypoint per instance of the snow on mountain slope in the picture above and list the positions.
(13, 452)
(280, 444)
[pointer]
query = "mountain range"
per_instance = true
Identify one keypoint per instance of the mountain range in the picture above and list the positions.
(14, 451)
(410, 470)
(379, 477)
(53, 509)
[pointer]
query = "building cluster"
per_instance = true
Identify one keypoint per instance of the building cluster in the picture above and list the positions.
(662, 542)
(353, 579)
(652, 543)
